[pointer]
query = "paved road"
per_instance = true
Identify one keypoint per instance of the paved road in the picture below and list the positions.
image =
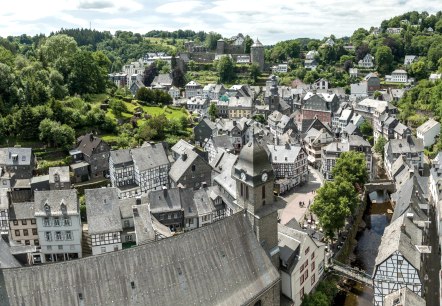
(300, 194)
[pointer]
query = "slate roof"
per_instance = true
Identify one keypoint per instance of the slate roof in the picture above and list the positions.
(182, 164)
(429, 124)
(126, 206)
(219, 264)
(402, 146)
(162, 79)
(103, 210)
(88, 143)
(167, 200)
(400, 128)
(63, 173)
(24, 156)
(181, 146)
(150, 156)
(408, 197)
(21, 210)
(143, 224)
(405, 296)
(394, 239)
(223, 160)
(202, 202)
(55, 198)
(7, 260)
(284, 154)
(119, 157)
(222, 141)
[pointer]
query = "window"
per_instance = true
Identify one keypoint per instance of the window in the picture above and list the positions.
(36, 242)
(58, 236)
(247, 192)
(306, 274)
(34, 231)
(48, 236)
(301, 279)
(126, 223)
(301, 293)
(33, 221)
(313, 279)
(25, 232)
(103, 249)
(46, 222)
(56, 222)
(68, 235)
(128, 238)
(115, 236)
(17, 233)
(67, 221)
(242, 189)
(102, 237)
(24, 222)
(313, 266)
(313, 255)
(193, 167)
(263, 191)
(60, 247)
(49, 247)
(15, 222)
(307, 250)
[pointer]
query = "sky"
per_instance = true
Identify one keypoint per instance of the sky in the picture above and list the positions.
(269, 20)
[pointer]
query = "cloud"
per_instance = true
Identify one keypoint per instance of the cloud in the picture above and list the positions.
(87, 5)
(271, 21)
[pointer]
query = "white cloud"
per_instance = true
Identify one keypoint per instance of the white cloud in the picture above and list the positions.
(271, 21)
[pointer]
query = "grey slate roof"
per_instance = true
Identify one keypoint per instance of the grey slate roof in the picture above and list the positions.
(408, 197)
(223, 160)
(7, 260)
(219, 264)
(182, 164)
(402, 146)
(143, 224)
(394, 239)
(63, 173)
(103, 210)
(284, 154)
(119, 157)
(169, 199)
(55, 198)
(23, 156)
(202, 202)
(88, 143)
(223, 141)
(405, 296)
(22, 210)
(150, 156)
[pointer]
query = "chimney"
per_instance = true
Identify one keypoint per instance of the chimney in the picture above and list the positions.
(287, 145)
(138, 201)
(411, 172)
(234, 122)
(91, 137)
(409, 140)
(184, 156)
(204, 185)
(165, 191)
(403, 229)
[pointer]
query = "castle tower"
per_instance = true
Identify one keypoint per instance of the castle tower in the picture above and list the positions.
(220, 46)
(257, 54)
(273, 97)
(255, 178)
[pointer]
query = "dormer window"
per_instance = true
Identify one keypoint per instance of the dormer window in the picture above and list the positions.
(47, 207)
(63, 208)
(56, 177)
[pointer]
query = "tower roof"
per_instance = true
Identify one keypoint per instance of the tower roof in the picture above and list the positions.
(257, 43)
(254, 161)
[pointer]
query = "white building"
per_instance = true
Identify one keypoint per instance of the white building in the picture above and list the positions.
(367, 61)
(428, 132)
(281, 68)
(302, 262)
(193, 89)
(398, 262)
(397, 76)
(174, 92)
(104, 220)
(57, 214)
(353, 72)
(4, 211)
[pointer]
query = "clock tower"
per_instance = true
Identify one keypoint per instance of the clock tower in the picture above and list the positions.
(255, 178)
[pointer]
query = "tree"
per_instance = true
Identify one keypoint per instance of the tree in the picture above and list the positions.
(118, 107)
(255, 72)
(366, 128)
(380, 145)
(85, 75)
(56, 134)
(352, 167)
(213, 111)
(361, 51)
(377, 95)
(212, 39)
(150, 73)
(145, 94)
(419, 70)
(334, 202)
(58, 47)
(226, 69)
(248, 42)
(178, 77)
(384, 59)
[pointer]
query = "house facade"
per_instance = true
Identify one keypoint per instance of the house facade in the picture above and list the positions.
(428, 132)
(57, 213)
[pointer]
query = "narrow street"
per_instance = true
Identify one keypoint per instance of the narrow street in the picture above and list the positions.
(432, 265)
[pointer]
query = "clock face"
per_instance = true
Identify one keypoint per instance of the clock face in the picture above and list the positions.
(264, 177)
(243, 176)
